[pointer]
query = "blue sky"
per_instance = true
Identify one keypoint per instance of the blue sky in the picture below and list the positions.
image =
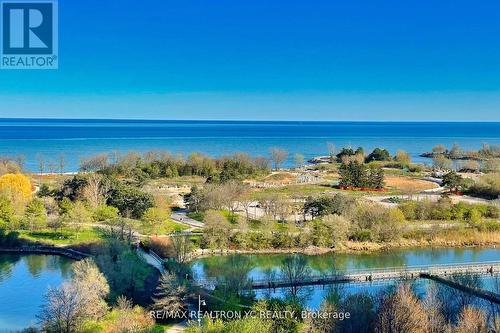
(287, 60)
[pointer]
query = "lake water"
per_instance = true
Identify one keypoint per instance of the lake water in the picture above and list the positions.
(79, 138)
(263, 266)
(24, 279)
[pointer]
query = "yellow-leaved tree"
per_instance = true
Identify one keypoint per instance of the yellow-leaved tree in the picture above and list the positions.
(16, 187)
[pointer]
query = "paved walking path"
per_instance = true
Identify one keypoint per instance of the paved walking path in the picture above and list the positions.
(180, 216)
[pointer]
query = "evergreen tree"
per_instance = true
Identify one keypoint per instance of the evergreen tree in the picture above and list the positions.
(357, 174)
(35, 215)
(169, 295)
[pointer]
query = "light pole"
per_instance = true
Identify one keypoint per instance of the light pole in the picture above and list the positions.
(200, 303)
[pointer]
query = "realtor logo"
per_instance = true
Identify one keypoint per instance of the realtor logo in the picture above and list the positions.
(28, 34)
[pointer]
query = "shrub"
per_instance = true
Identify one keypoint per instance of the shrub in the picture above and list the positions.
(362, 235)
(409, 209)
(487, 186)
(489, 225)
(338, 204)
(384, 224)
(104, 213)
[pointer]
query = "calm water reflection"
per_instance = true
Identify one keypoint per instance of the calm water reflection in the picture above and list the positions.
(24, 279)
(266, 266)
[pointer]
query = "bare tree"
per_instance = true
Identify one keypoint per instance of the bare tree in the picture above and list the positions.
(402, 312)
(96, 190)
(283, 208)
(61, 163)
(278, 156)
(434, 309)
(94, 163)
(20, 160)
(299, 161)
(51, 165)
(440, 162)
(261, 163)
(439, 149)
(331, 151)
(246, 202)
(62, 310)
(92, 288)
(232, 192)
(471, 320)
(295, 269)
(68, 306)
(41, 163)
(182, 247)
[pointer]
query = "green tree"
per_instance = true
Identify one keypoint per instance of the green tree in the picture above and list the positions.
(375, 177)
(6, 213)
(356, 174)
(105, 213)
(169, 295)
(379, 154)
(216, 231)
(125, 271)
(453, 181)
(155, 218)
(345, 152)
(362, 309)
(35, 215)
(77, 216)
(130, 201)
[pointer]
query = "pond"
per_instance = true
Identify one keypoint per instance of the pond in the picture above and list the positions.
(264, 266)
(24, 279)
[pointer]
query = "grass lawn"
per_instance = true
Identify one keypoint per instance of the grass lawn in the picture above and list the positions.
(166, 228)
(63, 237)
(178, 226)
(296, 189)
(198, 216)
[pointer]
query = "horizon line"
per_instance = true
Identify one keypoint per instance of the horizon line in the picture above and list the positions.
(246, 120)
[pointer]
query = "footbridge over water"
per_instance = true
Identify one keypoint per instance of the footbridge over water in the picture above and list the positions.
(367, 275)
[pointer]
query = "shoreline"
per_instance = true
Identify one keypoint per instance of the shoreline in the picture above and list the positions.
(46, 249)
(355, 247)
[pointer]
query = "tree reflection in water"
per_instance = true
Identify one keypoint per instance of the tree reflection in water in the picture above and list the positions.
(7, 263)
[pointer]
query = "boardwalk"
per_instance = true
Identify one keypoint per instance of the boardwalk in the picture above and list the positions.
(484, 294)
(152, 259)
(369, 275)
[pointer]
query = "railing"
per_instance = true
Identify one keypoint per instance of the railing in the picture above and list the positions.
(156, 257)
(368, 275)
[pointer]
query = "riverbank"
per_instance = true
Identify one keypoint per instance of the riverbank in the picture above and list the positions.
(52, 250)
(469, 239)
